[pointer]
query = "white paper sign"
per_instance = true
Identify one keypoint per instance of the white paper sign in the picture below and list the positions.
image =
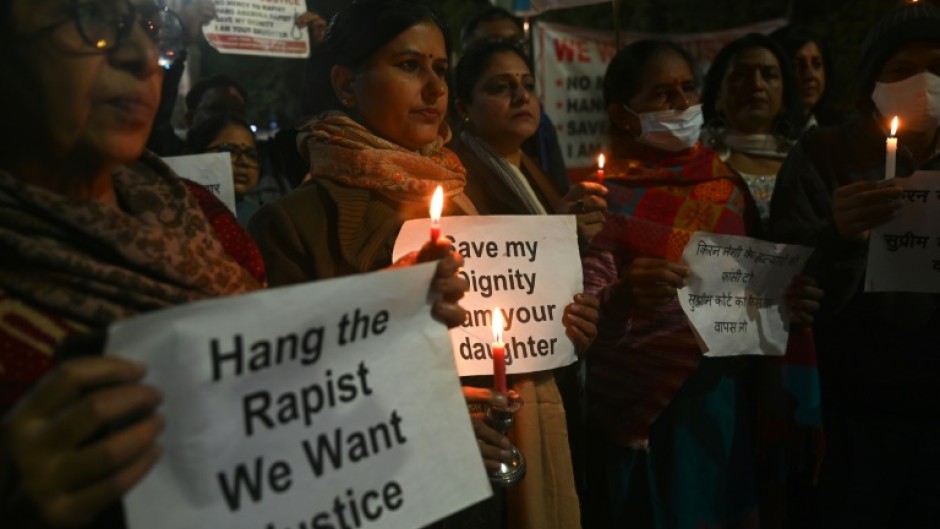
(258, 27)
(319, 405)
(529, 267)
(735, 296)
(904, 253)
(212, 170)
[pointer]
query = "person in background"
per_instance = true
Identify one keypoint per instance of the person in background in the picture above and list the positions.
(672, 428)
(877, 350)
(752, 112)
(231, 135)
(94, 229)
(193, 15)
(810, 63)
(499, 109)
(543, 147)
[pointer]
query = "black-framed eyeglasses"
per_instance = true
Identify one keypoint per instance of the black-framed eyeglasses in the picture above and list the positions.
(248, 153)
(105, 24)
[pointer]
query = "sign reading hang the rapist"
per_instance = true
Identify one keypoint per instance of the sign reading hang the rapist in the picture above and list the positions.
(904, 253)
(285, 411)
(527, 266)
(736, 295)
(259, 27)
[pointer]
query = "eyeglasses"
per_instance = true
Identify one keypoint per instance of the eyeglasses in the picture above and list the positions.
(106, 24)
(248, 153)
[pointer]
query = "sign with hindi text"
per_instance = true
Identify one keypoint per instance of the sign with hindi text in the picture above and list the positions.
(735, 297)
(904, 253)
(212, 171)
(259, 27)
(527, 266)
(317, 405)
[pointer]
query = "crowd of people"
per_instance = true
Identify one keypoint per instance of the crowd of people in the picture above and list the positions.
(644, 430)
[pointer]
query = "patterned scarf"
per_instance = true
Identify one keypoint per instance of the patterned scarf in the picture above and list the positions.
(344, 151)
(654, 206)
(95, 263)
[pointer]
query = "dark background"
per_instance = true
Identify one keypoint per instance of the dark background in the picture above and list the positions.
(274, 84)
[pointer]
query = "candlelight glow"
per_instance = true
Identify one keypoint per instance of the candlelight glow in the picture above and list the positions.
(600, 161)
(437, 204)
(894, 126)
(497, 326)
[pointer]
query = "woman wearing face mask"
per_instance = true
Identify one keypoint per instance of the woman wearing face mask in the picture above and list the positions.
(877, 351)
(675, 446)
(752, 112)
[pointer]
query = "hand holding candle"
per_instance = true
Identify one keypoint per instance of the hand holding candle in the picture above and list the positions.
(600, 168)
(499, 353)
(437, 206)
(891, 150)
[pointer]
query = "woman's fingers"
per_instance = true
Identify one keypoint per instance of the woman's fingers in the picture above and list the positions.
(97, 409)
(63, 386)
(110, 454)
(860, 206)
(494, 446)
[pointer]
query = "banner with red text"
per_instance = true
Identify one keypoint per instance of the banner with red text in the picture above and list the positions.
(570, 64)
(259, 27)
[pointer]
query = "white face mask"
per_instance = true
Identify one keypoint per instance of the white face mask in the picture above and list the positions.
(915, 100)
(670, 130)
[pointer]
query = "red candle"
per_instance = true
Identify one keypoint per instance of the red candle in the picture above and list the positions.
(499, 353)
(600, 168)
(437, 205)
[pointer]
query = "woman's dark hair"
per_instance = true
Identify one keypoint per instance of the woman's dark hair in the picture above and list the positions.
(787, 123)
(21, 112)
(792, 38)
(203, 134)
(490, 14)
(622, 79)
(354, 35)
(476, 59)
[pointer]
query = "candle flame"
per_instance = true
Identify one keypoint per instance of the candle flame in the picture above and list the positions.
(894, 126)
(437, 204)
(600, 161)
(497, 325)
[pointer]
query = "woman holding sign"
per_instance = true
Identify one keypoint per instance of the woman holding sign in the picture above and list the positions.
(677, 446)
(93, 229)
(499, 109)
(878, 350)
(377, 87)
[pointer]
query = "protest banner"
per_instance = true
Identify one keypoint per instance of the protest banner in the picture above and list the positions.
(212, 171)
(735, 297)
(317, 405)
(904, 253)
(527, 266)
(570, 64)
(259, 27)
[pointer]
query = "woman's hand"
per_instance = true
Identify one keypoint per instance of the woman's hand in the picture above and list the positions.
(196, 14)
(314, 23)
(446, 284)
(66, 472)
(803, 300)
(861, 206)
(494, 446)
(580, 320)
(586, 201)
(649, 282)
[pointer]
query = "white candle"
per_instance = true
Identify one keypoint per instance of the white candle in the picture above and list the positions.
(891, 150)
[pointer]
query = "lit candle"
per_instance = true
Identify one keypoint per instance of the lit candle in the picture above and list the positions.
(499, 353)
(437, 205)
(600, 168)
(891, 150)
